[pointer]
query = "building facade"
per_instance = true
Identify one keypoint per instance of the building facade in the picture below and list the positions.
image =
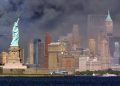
(48, 40)
(42, 55)
(67, 62)
(75, 37)
(82, 64)
(116, 54)
(55, 50)
(92, 47)
(31, 53)
(37, 44)
(3, 58)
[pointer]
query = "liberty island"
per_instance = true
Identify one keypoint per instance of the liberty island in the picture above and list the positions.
(14, 57)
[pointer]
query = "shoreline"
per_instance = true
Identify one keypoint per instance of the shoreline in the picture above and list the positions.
(35, 75)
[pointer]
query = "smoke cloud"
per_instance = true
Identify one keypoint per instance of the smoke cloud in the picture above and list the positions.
(54, 16)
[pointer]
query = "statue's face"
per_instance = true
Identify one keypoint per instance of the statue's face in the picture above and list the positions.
(15, 24)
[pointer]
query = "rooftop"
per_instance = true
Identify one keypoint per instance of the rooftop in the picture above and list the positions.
(108, 17)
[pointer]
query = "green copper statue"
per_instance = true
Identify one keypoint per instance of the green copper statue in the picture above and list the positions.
(15, 34)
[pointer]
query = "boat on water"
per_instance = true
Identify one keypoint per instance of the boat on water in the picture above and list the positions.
(104, 75)
(108, 75)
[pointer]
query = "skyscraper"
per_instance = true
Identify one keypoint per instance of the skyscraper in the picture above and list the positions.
(103, 42)
(96, 29)
(116, 55)
(48, 40)
(70, 38)
(112, 44)
(92, 46)
(101, 36)
(31, 53)
(36, 53)
(76, 37)
(42, 55)
(115, 59)
(109, 25)
(109, 32)
(104, 55)
(37, 43)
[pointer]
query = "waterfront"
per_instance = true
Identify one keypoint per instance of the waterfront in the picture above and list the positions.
(60, 81)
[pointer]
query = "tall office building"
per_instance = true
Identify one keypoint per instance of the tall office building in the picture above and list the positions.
(92, 47)
(36, 53)
(76, 37)
(112, 44)
(42, 55)
(101, 36)
(48, 40)
(116, 55)
(109, 32)
(31, 53)
(70, 38)
(37, 43)
(109, 25)
(104, 55)
(96, 29)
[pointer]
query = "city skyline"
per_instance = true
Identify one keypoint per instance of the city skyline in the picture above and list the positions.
(65, 42)
(76, 33)
(92, 44)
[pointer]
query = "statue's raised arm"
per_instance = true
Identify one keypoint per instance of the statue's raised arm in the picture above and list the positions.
(15, 34)
(18, 20)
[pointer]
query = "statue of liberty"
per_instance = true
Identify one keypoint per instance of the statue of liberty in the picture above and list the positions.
(15, 34)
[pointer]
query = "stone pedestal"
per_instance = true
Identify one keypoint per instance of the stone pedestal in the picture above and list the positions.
(13, 60)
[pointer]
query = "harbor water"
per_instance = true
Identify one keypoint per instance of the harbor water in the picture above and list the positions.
(60, 81)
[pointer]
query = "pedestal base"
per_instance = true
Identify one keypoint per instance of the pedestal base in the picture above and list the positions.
(14, 66)
(13, 60)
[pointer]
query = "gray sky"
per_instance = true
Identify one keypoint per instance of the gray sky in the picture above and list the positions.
(54, 16)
